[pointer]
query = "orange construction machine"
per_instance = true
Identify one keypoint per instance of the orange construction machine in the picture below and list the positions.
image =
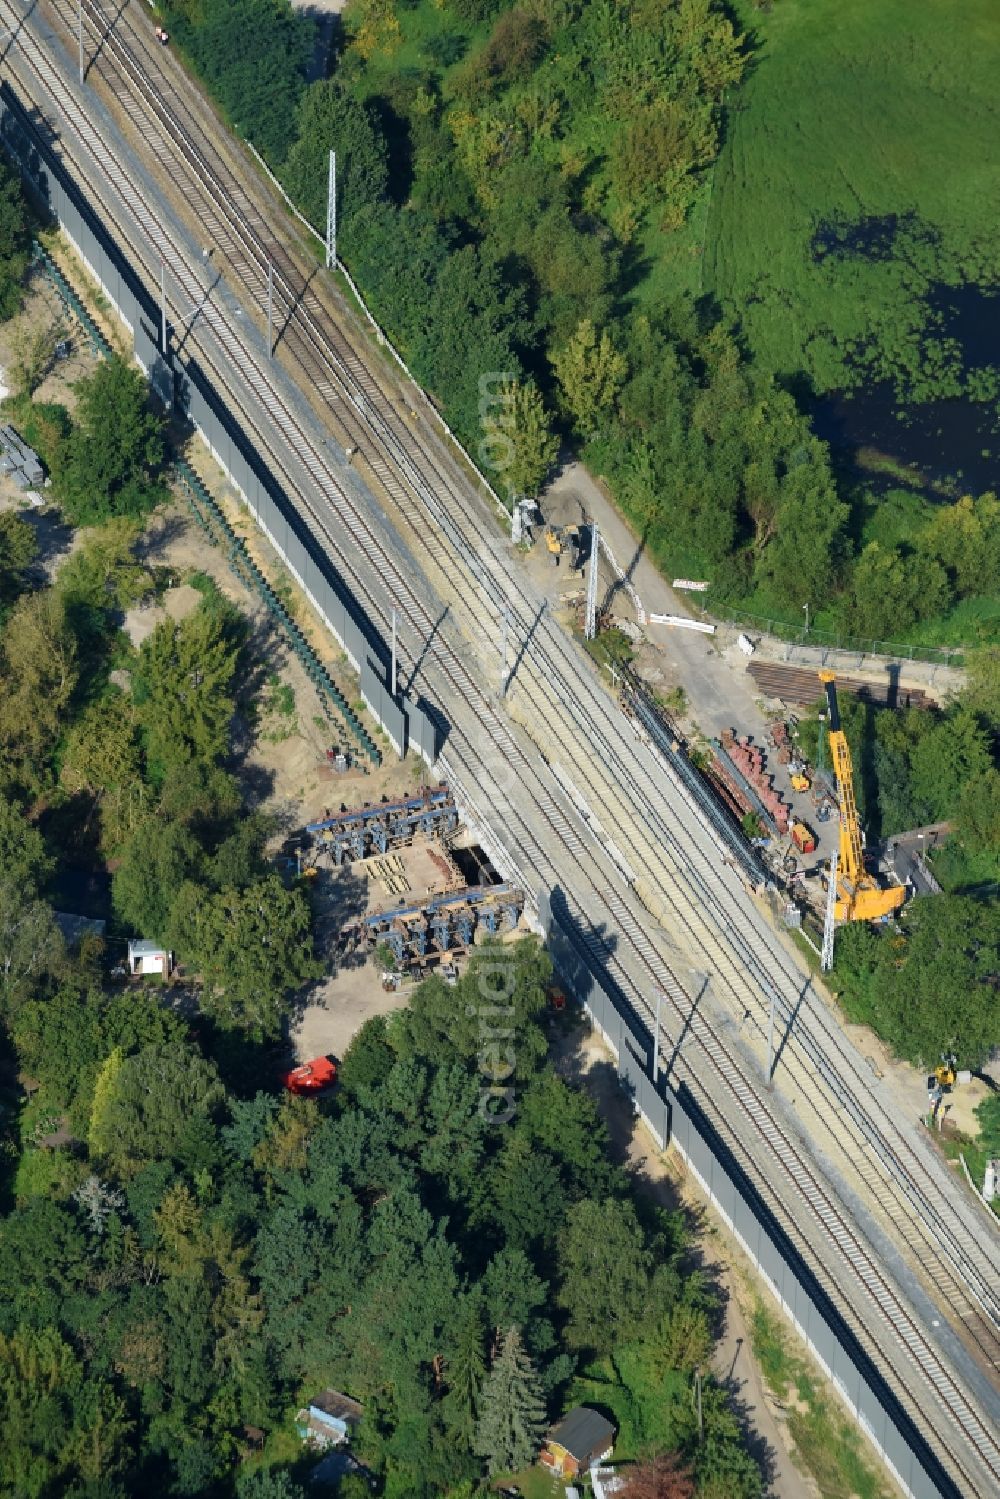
(859, 895)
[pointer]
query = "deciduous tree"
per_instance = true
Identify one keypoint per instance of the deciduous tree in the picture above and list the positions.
(24, 858)
(978, 820)
(251, 948)
(103, 572)
(38, 673)
(934, 993)
(109, 464)
(14, 243)
(31, 947)
(58, 1426)
(146, 1104)
(155, 862)
(269, 1483)
(604, 1267)
(591, 373)
(181, 687)
(664, 1477)
(331, 119)
(18, 549)
(253, 54)
(982, 692)
(520, 417)
(945, 760)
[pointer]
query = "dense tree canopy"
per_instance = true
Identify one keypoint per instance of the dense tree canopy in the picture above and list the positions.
(38, 676)
(251, 947)
(253, 54)
(109, 464)
(18, 548)
(331, 119)
(933, 990)
(182, 688)
(523, 191)
(203, 1259)
(14, 238)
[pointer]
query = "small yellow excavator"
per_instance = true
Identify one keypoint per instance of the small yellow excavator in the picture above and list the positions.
(944, 1073)
(859, 895)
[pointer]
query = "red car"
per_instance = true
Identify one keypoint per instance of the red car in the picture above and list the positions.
(312, 1077)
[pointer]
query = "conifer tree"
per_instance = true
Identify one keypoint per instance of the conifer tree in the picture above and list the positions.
(464, 1372)
(511, 1409)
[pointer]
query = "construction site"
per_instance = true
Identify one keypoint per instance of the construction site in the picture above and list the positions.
(400, 890)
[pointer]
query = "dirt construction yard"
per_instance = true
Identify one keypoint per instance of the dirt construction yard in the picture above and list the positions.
(340, 1004)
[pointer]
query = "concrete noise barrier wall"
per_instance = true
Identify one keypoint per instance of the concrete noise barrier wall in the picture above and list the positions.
(677, 1116)
(181, 383)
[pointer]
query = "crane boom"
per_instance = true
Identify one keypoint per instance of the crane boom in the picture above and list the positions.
(859, 897)
(850, 861)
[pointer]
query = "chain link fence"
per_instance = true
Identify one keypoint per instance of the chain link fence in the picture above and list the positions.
(758, 624)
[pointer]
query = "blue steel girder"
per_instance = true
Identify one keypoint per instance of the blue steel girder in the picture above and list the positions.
(486, 902)
(465, 923)
(437, 803)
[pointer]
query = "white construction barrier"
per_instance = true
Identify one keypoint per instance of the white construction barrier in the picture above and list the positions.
(682, 622)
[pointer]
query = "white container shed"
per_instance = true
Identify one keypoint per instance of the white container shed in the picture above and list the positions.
(145, 957)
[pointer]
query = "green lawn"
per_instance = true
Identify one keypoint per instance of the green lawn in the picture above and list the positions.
(534, 1483)
(854, 111)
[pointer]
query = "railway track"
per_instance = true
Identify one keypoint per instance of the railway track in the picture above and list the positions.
(433, 506)
(336, 521)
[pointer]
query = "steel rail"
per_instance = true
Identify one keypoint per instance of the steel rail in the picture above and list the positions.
(921, 1195)
(257, 382)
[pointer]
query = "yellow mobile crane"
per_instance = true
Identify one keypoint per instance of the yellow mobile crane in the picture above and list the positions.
(859, 896)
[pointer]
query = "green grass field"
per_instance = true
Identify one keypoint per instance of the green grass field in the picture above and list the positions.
(855, 111)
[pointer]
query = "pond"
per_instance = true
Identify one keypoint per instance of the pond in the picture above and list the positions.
(953, 444)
